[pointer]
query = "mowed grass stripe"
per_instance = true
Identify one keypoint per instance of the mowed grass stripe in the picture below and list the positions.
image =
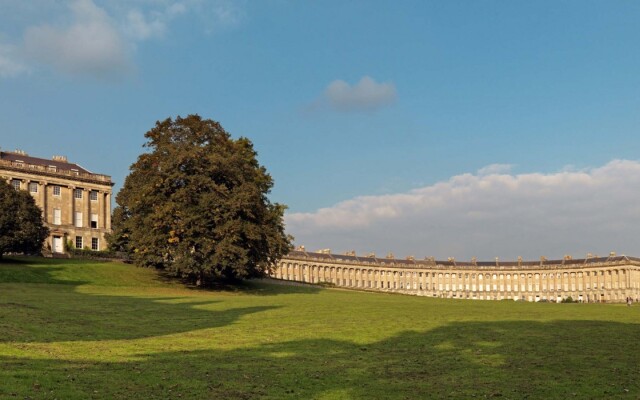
(78, 329)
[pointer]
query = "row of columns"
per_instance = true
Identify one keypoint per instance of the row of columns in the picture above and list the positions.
(103, 203)
(498, 284)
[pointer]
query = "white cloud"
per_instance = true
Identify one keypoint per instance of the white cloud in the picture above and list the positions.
(493, 169)
(365, 95)
(79, 37)
(90, 45)
(489, 214)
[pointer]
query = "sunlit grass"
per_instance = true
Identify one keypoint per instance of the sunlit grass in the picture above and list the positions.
(80, 329)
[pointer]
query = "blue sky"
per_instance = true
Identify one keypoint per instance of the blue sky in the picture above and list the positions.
(354, 103)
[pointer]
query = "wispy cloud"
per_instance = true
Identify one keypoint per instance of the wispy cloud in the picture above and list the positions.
(84, 38)
(142, 27)
(366, 95)
(10, 64)
(152, 24)
(487, 214)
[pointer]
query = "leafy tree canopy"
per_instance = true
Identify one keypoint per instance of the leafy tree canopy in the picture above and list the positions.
(196, 205)
(21, 227)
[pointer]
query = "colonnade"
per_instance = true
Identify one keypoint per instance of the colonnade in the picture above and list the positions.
(587, 282)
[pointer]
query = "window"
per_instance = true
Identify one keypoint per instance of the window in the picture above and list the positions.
(56, 216)
(75, 172)
(78, 242)
(33, 187)
(94, 244)
(56, 191)
(78, 219)
(93, 195)
(77, 193)
(94, 221)
(16, 184)
(52, 168)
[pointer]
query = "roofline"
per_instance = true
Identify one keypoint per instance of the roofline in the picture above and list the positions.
(42, 171)
(452, 264)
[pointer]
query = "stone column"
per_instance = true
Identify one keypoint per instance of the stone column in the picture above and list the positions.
(621, 283)
(72, 203)
(43, 199)
(86, 197)
(107, 206)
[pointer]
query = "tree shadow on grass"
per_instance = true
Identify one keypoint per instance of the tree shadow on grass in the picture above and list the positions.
(46, 309)
(44, 270)
(510, 359)
(65, 315)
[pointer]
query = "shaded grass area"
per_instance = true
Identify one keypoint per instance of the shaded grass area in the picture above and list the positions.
(108, 330)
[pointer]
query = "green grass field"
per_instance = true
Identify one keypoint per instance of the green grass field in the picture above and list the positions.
(73, 329)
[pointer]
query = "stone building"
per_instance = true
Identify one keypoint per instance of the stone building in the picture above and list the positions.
(75, 203)
(592, 279)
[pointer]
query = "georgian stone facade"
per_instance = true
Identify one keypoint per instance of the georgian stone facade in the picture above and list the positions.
(75, 203)
(592, 279)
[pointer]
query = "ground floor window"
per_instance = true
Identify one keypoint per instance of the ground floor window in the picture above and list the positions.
(94, 244)
(78, 242)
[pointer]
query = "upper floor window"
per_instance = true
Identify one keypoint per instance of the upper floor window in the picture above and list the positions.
(57, 216)
(78, 219)
(56, 190)
(77, 193)
(33, 187)
(75, 172)
(52, 168)
(16, 184)
(93, 195)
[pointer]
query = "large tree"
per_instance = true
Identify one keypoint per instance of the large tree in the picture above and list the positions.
(196, 205)
(21, 226)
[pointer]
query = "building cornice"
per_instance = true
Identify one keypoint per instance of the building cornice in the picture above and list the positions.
(428, 264)
(66, 174)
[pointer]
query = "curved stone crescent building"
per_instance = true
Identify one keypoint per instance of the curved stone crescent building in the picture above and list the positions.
(592, 279)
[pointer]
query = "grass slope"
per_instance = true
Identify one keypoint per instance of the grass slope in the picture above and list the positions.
(76, 329)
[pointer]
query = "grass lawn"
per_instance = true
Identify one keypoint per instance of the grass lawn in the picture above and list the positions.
(73, 329)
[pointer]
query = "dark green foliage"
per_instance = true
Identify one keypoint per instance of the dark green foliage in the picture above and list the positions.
(21, 227)
(98, 254)
(197, 205)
